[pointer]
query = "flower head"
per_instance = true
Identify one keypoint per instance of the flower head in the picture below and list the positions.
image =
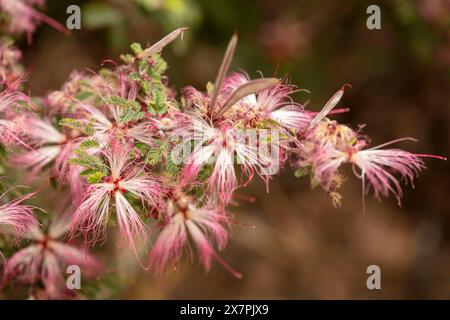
(111, 125)
(17, 215)
(377, 167)
(224, 148)
(43, 263)
(125, 182)
(44, 145)
(326, 145)
(203, 225)
(11, 102)
(24, 18)
(273, 104)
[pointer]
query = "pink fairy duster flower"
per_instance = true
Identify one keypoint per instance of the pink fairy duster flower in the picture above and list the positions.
(223, 148)
(45, 144)
(40, 131)
(204, 225)
(378, 165)
(17, 215)
(92, 215)
(11, 100)
(326, 145)
(106, 130)
(325, 149)
(221, 141)
(43, 263)
(144, 132)
(10, 105)
(37, 159)
(271, 104)
(212, 142)
(23, 17)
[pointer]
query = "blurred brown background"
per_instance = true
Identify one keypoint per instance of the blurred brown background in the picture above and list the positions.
(302, 247)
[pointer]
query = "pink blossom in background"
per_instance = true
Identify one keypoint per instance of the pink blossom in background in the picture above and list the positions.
(42, 264)
(24, 18)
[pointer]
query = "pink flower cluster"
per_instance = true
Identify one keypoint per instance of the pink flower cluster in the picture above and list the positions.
(109, 140)
(325, 145)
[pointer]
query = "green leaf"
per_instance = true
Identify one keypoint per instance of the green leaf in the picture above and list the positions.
(78, 125)
(158, 105)
(146, 86)
(134, 76)
(136, 48)
(171, 168)
(87, 144)
(127, 58)
(142, 147)
(87, 172)
(131, 110)
(88, 161)
(117, 100)
(156, 155)
(71, 123)
(79, 162)
(160, 65)
(95, 178)
(92, 160)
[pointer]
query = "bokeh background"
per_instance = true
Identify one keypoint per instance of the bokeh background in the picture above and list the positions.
(301, 247)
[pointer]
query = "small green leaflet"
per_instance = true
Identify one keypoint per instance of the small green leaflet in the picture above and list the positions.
(136, 48)
(78, 125)
(156, 155)
(158, 104)
(87, 144)
(95, 169)
(131, 110)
